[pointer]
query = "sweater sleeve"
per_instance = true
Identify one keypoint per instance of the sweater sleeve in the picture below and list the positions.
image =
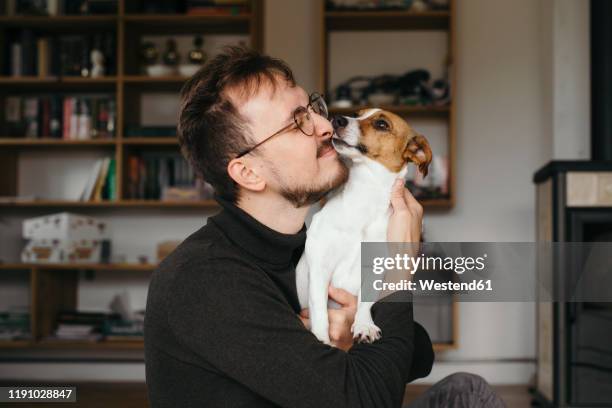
(237, 320)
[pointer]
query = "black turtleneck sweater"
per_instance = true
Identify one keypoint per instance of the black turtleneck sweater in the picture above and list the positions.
(222, 329)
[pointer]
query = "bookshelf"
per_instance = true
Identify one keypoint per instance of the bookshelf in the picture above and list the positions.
(54, 287)
(127, 86)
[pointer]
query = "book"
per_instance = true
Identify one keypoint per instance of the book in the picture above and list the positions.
(91, 181)
(97, 194)
(30, 113)
(43, 63)
(16, 59)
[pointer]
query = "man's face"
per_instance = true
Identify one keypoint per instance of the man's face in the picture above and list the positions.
(299, 167)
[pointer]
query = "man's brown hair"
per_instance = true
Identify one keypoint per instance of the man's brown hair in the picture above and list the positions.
(211, 132)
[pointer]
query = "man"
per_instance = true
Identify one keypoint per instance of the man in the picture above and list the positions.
(222, 325)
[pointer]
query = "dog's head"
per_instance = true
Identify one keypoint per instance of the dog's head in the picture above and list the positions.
(381, 136)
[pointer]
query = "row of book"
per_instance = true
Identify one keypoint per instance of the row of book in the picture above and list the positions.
(102, 181)
(217, 7)
(59, 7)
(164, 176)
(15, 324)
(222, 7)
(80, 117)
(60, 55)
(95, 326)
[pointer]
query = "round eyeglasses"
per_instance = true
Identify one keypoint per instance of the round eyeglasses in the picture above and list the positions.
(302, 119)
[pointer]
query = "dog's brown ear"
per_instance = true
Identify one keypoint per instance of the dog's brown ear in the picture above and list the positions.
(419, 152)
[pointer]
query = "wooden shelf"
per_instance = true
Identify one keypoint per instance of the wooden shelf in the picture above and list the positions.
(89, 345)
(183, 23)
(75, 266)
(112, 204)
(148, 141)
(63, 22)
(51, 142)
(67, 83)
(387, 20)
(400, 109)
(152, 79)
(182, 18)
(13, 344)
(437, 203)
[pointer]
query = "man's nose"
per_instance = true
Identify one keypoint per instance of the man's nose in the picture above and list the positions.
(339, 122)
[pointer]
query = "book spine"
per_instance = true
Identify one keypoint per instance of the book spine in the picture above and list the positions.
(28, 55)
(53, 7)
(16, 59)
(133, 174)
(112, 181)
(84, 121)
(31, 116)
(67, 115)
(42, 45)
(46, 117)
(55, 121)
(74, 118)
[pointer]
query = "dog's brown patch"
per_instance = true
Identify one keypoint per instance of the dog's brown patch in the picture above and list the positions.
(389, 139)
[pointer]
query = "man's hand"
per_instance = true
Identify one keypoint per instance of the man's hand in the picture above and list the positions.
(406, 219)
(340, 320)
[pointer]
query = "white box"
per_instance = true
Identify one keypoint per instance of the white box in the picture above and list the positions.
(64, 226)
(62, 251)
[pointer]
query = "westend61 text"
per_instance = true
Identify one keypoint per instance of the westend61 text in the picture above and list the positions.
(432, 285)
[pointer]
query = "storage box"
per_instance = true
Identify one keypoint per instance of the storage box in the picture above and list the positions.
(62, 251)
(64, 226)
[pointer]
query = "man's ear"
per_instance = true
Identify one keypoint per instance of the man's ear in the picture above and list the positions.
(243, 174)
(418, 151)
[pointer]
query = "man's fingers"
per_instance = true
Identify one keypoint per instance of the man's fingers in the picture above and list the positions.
(398, 202)
(342, 297)
(305, 313)
(305, 322)
(411, 201)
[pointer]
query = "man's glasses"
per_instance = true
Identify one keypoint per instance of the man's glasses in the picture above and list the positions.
(302, 119)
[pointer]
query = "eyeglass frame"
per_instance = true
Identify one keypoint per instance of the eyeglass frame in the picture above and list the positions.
(313, 97)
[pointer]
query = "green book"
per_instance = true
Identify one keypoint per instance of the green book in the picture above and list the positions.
(111, 181)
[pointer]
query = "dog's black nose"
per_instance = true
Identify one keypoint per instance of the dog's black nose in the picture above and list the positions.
(339, 122)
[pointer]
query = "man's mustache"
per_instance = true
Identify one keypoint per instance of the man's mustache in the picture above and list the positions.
(325, 145)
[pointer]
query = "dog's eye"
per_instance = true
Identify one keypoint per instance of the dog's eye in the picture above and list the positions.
(381, 124)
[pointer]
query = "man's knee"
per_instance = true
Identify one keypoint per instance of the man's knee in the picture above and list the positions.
(466, 381)
(469, 390)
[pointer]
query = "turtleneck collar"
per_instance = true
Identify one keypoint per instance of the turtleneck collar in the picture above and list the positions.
(255, 238)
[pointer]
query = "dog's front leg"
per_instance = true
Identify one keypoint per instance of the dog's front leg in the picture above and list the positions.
(317, 304)
(364, 330)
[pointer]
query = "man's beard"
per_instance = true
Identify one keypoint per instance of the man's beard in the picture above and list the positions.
(306, 195)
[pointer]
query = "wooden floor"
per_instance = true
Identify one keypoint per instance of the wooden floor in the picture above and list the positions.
(133, 395)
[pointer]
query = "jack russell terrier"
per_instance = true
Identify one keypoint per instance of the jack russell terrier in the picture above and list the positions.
(380, 145)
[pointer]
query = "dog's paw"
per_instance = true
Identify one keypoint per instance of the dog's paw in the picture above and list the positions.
(366, 332)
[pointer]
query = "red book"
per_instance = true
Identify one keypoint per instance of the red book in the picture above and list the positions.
(46, 117)
(67, 114)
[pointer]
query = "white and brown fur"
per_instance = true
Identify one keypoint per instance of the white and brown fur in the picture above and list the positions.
(379, 145)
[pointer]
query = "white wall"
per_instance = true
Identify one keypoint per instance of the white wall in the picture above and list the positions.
(569, 63)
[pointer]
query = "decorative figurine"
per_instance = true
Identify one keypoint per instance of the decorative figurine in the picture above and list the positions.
(97, 60)
(150, 56)
(196, 58)
(171, 57)
(197, 55)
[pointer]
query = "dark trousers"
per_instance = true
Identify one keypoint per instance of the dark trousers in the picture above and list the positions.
(461, 390)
